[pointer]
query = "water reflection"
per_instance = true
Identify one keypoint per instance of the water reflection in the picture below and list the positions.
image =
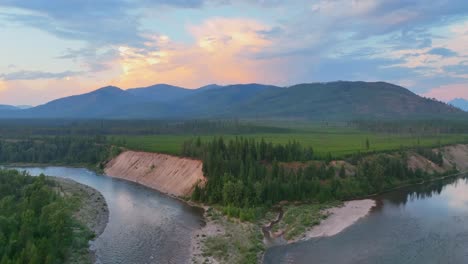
(144, 226)
(422, 224)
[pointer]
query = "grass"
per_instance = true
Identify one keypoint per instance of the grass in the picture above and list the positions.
(336, 141)
(297, 219)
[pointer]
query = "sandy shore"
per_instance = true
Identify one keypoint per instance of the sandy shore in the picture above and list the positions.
(339, 218)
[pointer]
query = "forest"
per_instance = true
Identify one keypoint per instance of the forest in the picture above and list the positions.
(245, 175)
(58, 149)
(36, 224)
(92, 127)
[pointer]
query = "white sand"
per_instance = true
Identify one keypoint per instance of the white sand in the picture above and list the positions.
(340, 218)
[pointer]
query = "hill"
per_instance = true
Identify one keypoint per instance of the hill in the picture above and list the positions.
(315, 101)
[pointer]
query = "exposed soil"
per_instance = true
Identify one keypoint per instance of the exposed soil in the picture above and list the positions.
(168, 174)
(416, 161)
(456, 155)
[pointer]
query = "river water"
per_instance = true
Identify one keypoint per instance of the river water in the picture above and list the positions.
(423, 224)
(144, 226)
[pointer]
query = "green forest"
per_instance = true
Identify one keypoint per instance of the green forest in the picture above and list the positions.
(36, 224)
(245, 175)
(63, 150)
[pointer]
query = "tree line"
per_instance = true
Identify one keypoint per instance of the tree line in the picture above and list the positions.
(59, 149)
(65, 127)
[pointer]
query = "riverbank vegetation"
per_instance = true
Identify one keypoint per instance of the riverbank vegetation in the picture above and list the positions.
(37, 223)
(236, 242)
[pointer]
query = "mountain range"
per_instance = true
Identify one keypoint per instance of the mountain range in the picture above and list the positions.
(340, 100)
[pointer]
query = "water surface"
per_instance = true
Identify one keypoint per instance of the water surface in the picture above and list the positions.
(423, 224)
(144, 226)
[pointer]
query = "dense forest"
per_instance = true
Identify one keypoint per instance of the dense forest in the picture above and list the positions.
(67, 127)
(69, 150)
(244, 175)
(36, 224)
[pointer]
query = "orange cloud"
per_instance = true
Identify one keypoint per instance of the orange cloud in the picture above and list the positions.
(2, 86)
(449, 92)
(35, 92)
(221, 53)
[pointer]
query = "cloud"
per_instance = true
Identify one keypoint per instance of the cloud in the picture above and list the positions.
(442, 52)
(449, 91)
(100, 22)
(35, 75)
(221, 53)
(407, 42)
(94, 59)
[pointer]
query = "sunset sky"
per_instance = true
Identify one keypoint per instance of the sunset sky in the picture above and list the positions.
(56, 48)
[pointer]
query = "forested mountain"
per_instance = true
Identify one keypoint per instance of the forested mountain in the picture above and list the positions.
(315, 101)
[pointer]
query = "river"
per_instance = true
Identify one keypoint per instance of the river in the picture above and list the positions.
(421, 224)
(144, 226)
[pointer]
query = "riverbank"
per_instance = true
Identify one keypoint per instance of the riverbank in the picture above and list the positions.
(90, 210)
(226, 240)
(175, 176)
(338, 219)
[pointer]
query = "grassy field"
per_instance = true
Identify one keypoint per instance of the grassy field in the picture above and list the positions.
(337, 141)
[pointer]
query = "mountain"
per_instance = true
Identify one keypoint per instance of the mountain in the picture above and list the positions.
(460, 103)
(23, 106)
(14, 107)
(161, 92)
(314, 101)
(345, 101)
(99, 103)
(8, 107)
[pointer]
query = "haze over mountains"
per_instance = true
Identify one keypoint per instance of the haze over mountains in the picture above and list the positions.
(14, 107)
(460, 103)
(316, 101)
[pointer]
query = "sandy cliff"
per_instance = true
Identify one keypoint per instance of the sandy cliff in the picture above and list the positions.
(165, 173)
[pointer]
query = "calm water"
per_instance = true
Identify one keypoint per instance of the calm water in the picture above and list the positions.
(144, 226)
(426, 224)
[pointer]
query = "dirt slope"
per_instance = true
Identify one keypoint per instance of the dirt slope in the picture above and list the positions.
(165, 173)
(456, 155)
(416, 161)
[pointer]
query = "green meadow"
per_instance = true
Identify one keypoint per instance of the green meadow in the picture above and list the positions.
(336, 141)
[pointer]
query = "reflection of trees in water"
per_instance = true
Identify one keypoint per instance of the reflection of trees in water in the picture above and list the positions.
(421, 191)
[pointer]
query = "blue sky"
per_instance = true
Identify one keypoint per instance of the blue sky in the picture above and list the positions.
(55, 48)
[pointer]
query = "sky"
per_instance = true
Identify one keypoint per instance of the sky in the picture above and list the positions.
(55, 48)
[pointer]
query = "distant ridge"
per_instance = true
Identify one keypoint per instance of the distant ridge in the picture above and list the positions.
(340, 100)
(460, 103)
